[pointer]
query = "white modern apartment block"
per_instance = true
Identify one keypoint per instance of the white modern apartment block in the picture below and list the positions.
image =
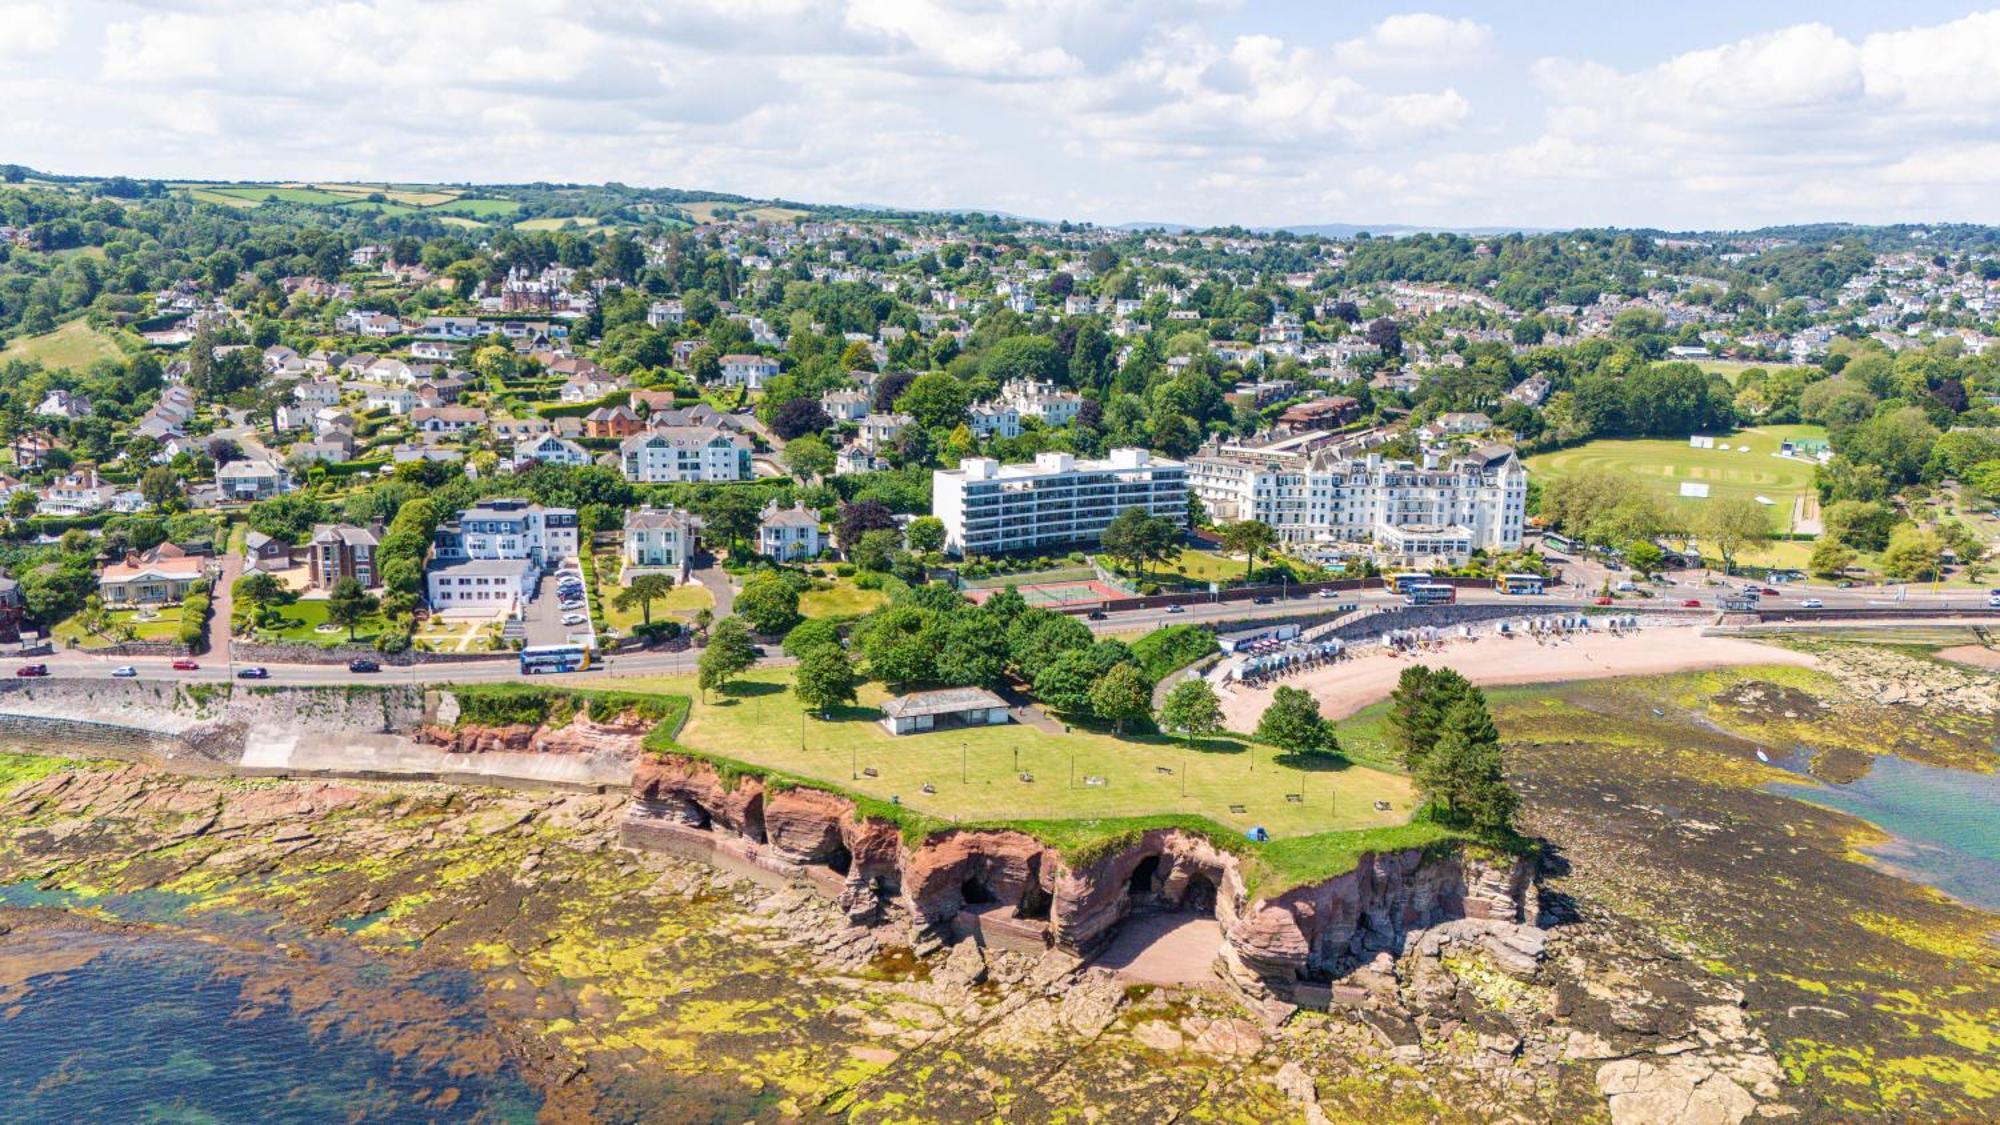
(658, 541)
(989, 508)
(1036, 399)
(508, 529)
(1431, 511)
(684, 453)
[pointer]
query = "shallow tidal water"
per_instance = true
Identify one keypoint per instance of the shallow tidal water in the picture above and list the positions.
(149, 1025)
(1946, 822)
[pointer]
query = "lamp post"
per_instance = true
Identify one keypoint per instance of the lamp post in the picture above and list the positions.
(964, 759)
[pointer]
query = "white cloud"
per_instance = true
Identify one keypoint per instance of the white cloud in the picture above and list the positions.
(31, 27)
(1417, 40)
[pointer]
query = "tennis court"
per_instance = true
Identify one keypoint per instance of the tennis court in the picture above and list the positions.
(1069, 592)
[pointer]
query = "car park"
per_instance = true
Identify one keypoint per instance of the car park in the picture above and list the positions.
(254, 672)
(124, 672)
(186, 665)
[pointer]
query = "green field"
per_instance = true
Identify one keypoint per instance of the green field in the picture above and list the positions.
(1665, 464)
(299, 623)
(75, 344)
(582, 223)
(759, 721)
(163, 625)
(477, 208)
(844, 600)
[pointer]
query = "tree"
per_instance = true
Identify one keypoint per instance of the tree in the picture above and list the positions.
(1387, 335)
(643, 591)
(901, 643)
(861, 516)
(973, 652)
(257, 592)
(161, 487)
(769, 603)
(727, 655)
(826, 679)
(1461, 778)
(1645, 557)
(809, 456)
(349, 603)
(876, 549)
(810, 634)
(1250, 538)
(1191, 708)
(1732, 525)
(1120, 695)
(935, 399)
(1137, 538)
(1861, 524)
(1063, 683)
(1913, 554)
(799, 417)
(1830, 558)
(731, 515)
(926, 535)
(1294, 724)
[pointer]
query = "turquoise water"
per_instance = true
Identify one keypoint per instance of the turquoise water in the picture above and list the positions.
(1946, 822)
(160, 1027)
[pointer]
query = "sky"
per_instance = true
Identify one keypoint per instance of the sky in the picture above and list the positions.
(1694, 114)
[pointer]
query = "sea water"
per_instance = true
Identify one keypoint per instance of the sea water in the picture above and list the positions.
(1946, 822)
(154, 1025)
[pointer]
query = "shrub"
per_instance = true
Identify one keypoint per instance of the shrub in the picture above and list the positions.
(1163, 651)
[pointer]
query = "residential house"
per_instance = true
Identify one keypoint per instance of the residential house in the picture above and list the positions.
(342, 550)
(446, 419)
(751, 371)
(995, 419)
(1032, 398)
(159, 577)
(316, 393)
(612, 422)
(658, 540)
(250, 479)
(395, 400)
(855, 458)
(508, 528)
(62, 404)
(684, 453)
(789, 534)
(78, 492)
(880, 431)
(550, 450)
(845, 406)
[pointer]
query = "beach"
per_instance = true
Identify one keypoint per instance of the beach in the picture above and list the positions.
(1489, 660)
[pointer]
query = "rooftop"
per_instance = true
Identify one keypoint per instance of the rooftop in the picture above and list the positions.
(941, 702)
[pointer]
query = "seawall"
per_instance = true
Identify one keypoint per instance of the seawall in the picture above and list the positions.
(362, 731)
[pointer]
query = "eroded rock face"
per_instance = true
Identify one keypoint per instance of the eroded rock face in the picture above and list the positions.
(1016, 889)
(581, 735)
(1327, 929)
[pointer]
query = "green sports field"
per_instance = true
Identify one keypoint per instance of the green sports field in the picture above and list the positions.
(1664, 465)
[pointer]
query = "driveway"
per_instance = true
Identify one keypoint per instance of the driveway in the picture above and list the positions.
(717, 581)
(222, 603)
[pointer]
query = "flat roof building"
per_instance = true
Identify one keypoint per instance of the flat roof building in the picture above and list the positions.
(949, 707)
(1055, 500)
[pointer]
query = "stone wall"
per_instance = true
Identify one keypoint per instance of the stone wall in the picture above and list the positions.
(1008, 886)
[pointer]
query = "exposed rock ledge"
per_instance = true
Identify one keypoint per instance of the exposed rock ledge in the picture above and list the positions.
(1010, 891)
(580, 735)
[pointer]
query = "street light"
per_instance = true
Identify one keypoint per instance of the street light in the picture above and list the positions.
(964, 759)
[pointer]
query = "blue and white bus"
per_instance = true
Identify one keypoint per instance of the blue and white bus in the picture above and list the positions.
(1520, 583)
(542, 659)
(1430, 593)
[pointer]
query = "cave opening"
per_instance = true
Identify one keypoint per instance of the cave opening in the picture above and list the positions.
(975, 893)
(840, 859)
(1034, 900)
(1140, 883)
(1200, 896)
(753, 818)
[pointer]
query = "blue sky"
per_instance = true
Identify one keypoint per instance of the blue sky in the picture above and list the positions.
(1204, 111)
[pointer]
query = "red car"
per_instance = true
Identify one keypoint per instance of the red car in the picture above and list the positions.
(1603, 601)
(186, 665)
(32, 670)
(1691, 603)
(1770, 593)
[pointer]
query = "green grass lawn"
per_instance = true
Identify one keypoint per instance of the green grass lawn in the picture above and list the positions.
(583, 222)
(685, 600)
(299, 623)
(75, 344)
(760, 722)
(162, 627)
(477, 208)
(1664, 464)
(844, 600)
(1733, 369)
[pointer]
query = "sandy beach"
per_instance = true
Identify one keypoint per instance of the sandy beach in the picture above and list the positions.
(1345, 688)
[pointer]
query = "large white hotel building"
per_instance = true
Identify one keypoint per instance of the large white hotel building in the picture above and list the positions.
(1056, 500)
(1328, 502)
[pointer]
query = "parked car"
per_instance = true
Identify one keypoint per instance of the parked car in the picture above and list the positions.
(186, 665)
(1603, 601)
(1812, 603)
(1097, 615)
(1266, 600)
(1625, 587)
(363, 664)
(124, 672)
(574, 619)
(32, 670)
(1329, 593)
(1770, 593)
(254, 672)
(1691, 603)
(1177, 608)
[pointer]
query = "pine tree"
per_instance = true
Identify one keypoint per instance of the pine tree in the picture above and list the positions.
(1461, 777)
